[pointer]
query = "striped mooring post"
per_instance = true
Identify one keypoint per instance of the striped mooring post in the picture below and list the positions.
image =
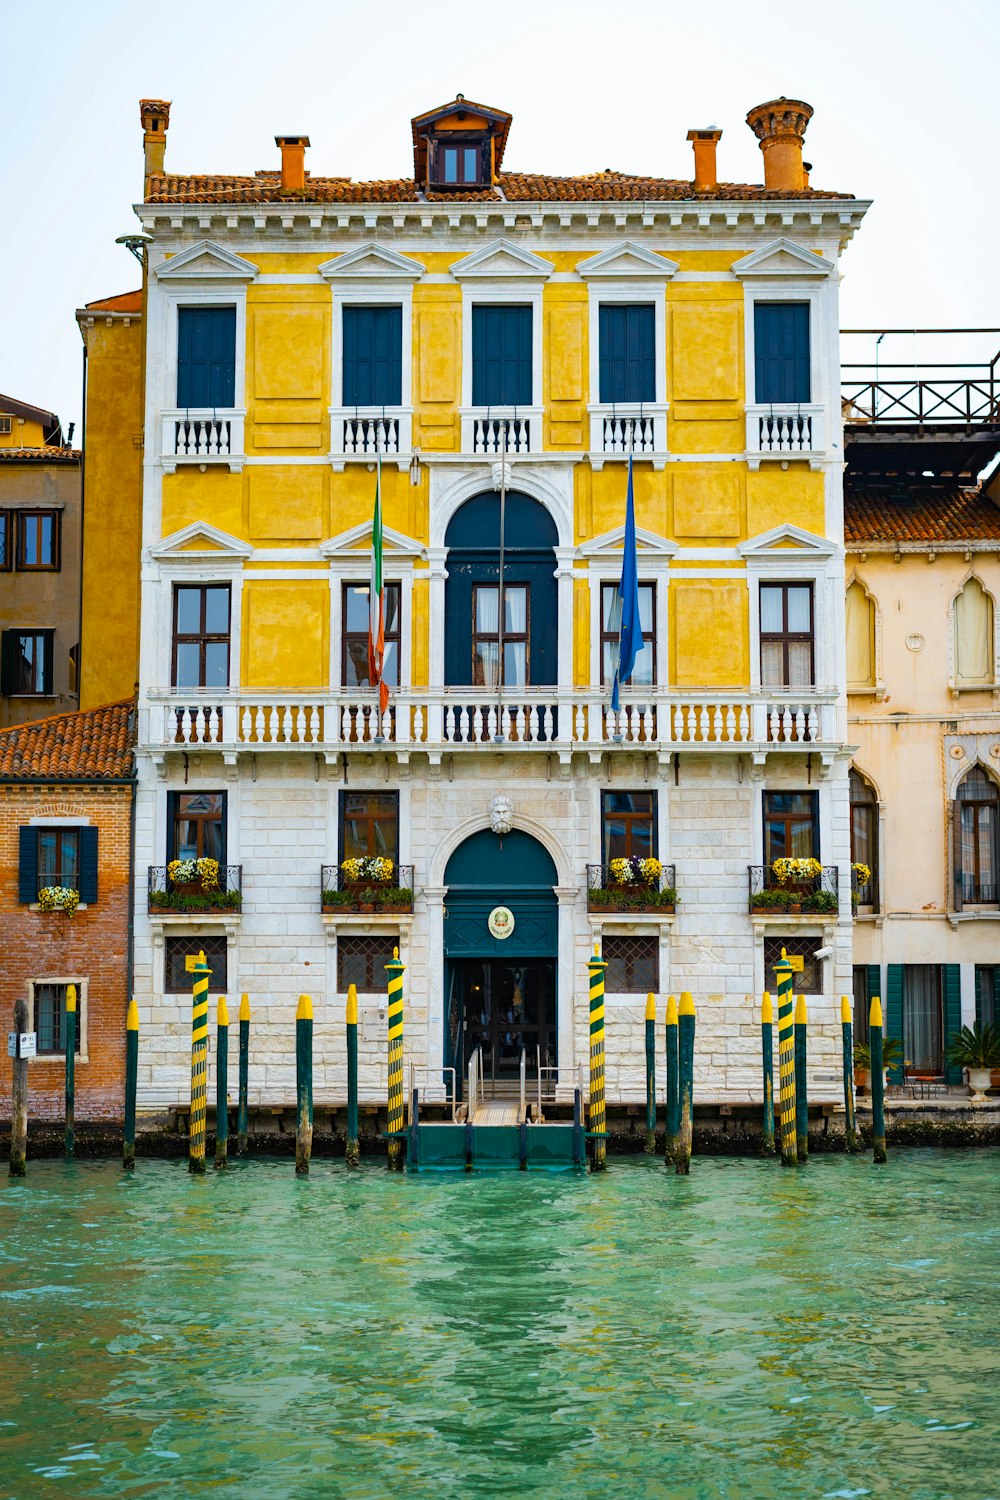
(352, 1151)
(767, 1059)
(597, 1113)
(850, 1122)
(394, 1123)
(242, 1121)
(685, 1058)
(786, 1059)
(70, 1068)
(650, 1146)
(222, 1084)
(131, 1079)
(199, 1064)
(801, 1082)
(673, 1121)
(878, 1079)
(303, 1085)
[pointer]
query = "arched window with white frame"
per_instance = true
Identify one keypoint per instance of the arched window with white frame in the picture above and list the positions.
(977, 840)
(972, 628)
(860, 619)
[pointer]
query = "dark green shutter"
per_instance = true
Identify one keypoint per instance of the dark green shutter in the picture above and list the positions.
(206, 357)
(373, 345)
(501, 355)
(88, 866)
(627, 352)
(893, 1014)
(781, 352)
(952, 1018)
(27, 870)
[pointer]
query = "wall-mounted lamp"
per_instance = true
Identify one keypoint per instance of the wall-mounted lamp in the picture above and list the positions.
(416, 473)
(136, 244)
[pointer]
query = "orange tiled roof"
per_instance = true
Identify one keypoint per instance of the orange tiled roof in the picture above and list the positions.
(927, 514)
(49, 455)
(516, 187)
(123, 302)
(95, 744)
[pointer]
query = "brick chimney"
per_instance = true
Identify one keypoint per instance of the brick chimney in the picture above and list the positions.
(705, 142)
(155, 116)
(780, 126)
(293, 161)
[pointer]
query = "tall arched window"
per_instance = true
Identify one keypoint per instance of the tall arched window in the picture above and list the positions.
(973, 627)
(864, 838)
(977, 823)
(860, 637)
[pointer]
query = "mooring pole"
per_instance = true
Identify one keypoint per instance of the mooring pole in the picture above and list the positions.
(650, 1074)
(801, 1082)
(394, 1123)
(222, 1084)
(199, 1065)
(878, 1079)
(685, 1051)
(352, 1151)
(304, 1085)
(19, 1094)
(673, 1121)
(131, 1079)
(767, 1059)
(242, 1122)
(786, 1059)
(850, 1123)
(70, 1068)
(597, 1113)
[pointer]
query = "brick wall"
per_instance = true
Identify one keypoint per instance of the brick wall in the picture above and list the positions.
(93, 945)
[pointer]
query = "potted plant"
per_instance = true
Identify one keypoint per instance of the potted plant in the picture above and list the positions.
(633, 871)
(820, 901)
(190, 877)
(977, 1048)
(364, 874)
(765, 901)
(892, 1057)
(58, 898)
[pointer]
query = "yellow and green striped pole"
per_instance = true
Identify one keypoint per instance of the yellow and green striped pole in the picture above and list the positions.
(394, 1124)
(767, 1057)
(786, 1059)
(650, 1074)
(131, 1079)
(242, 1122)
(673, 1122)
(685, 1057)
(222, 1084)
(303, 1085)
(199, 1065)
(70, 1068)
(597, 1113)
(801, 1082)
(846, 1029)
(352, 1151)
(878, 1079)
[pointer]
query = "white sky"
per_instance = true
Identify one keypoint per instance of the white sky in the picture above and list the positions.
(904, 94)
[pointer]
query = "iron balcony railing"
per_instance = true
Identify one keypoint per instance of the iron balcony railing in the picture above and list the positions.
(341, 892)
(613, 889)
(164, 894)
(891, 388)
(796, 896)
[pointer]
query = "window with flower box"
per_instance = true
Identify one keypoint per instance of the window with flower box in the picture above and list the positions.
(196, 824)
(52, 856)
(369, 825)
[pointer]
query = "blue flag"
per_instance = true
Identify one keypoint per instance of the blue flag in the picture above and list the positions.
(630, 641)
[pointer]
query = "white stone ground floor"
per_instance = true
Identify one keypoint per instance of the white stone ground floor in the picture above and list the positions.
(283, 825)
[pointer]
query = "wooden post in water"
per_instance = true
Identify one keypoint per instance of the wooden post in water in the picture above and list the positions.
(352, 1151)
(70, 1069)
(131, 1080)
(394, 1123)
(597, 1113)
(242, 1121)
(850, 1123)
(19, 1094)
(222, 1084)
(685, 1057)
(304, 1085)
(199, 1065)
(650, 1146)
(786, 1059)
(878, 1079)
(673, 1122)
(767, 1058)
(801, 1082)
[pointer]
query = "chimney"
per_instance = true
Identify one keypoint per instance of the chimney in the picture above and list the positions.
(155, 116)
(293, 161)
(705, 142)
(780, 126)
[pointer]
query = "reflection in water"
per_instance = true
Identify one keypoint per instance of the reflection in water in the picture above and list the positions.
(743, 1332)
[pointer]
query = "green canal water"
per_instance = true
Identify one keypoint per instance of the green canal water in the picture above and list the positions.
(747, 1332)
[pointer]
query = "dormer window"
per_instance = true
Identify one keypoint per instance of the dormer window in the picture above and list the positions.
(459, 165)
(459, 145)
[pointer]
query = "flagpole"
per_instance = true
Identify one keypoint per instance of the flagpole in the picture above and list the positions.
(500, 591)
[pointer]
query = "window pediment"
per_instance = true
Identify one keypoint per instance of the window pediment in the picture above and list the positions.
(371, 262)
(787, 541)
(627, 261)
(355, 543)
(198, 542)
(502, 261)
(608, 547)
(783, 258)
(207, 262)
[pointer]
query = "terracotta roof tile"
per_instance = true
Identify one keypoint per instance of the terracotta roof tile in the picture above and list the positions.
(123, 302)
(94, 744)
(49, 455)
(925, 514)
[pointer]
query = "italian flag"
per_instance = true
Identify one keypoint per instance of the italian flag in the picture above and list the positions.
(376, 601)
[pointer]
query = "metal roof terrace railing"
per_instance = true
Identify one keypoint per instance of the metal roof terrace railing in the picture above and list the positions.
(891, 390)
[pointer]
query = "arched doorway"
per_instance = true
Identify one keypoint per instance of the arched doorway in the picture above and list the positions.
(500, 993)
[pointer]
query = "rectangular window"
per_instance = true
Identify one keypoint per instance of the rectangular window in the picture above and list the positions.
(459, 164)
(6, 424)
(196, 823)
(786, 635)
(805, 981)
(206, 357)
(201, 635)
(373, 356)
(26, 664)
(38, 540)
(361, 961)
(862, 1002)
(988, 994)
(781, 353)
(6, 541)
(628, 821)
(59, 857)
(633, 965)
(923, 1021)
(178, 980)
(627, 345)
(354, 653)
(486, 639)
(369, 824)
(50, 1018)
(501, 355)
(791, 826)
(644, 670)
